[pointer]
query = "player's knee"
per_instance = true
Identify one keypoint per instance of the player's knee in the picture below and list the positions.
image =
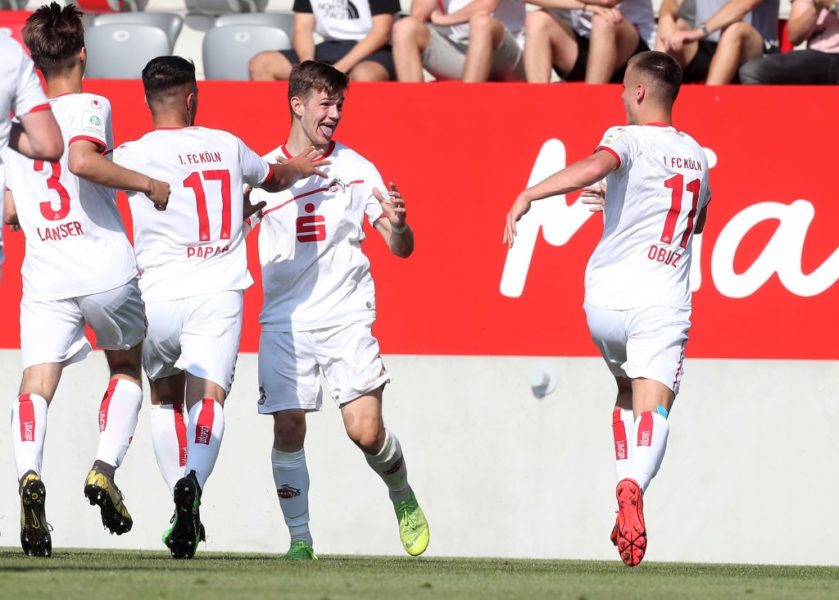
(405, 32)
(368, 435)
(368, 71)
(264, 66)
(289, 430)
(481, 24)
(736, 33)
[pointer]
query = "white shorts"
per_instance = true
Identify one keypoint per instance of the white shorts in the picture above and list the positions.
(290, 362)
(199, 335)
(53, 331)
(643, 342)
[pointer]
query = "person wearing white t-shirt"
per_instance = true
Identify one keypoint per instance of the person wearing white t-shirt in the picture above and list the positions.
(35, 133)
(320, 305)
(461, 39)
(594, 47)
(356, 40)
(193, 273)
(637, 292)
(78, 270)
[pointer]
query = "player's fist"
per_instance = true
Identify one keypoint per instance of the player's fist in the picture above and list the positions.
(159, 193)
(393, 206)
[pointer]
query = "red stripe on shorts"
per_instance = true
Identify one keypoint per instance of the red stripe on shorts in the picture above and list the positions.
(204, 427)
(105, 404)
(619, 433)
(645, 429)
(26, 414)
(180, 432)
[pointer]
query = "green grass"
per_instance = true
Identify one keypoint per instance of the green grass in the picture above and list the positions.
(122, 575)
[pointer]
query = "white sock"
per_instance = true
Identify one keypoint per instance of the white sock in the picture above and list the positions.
(118, 416)
(650, 443)
(623, 426)
(390, 465)
(203, 438)
(29, 429)
(291, 476)
(168, 434)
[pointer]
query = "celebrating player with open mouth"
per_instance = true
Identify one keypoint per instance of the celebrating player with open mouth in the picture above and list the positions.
(637, 292)
(194, 272)
(320, 305)
(78, 269)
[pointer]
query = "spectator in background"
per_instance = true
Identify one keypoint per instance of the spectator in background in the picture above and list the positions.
(725, 34)
(595, 47)
(472, 40)
(356, 36)
(815, 21)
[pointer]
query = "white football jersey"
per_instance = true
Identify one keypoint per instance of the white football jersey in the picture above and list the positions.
(653, 201)
(314, 273)
(20, 94)
(75, 239)
(196, 246)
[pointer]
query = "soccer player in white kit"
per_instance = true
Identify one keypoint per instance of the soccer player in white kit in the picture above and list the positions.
(320, 305)
(35, 133)
(193, 265)
(78, 269)
(637, 293)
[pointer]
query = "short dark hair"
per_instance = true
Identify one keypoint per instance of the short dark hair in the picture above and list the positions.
(663, 69)
(54, 36)
(312, 76)
(164, 74)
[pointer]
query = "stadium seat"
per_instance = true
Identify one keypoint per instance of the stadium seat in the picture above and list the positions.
(120, 51)
(227, 50)
(170, 23)
(226, 6)
(11, 22)
(280, 20)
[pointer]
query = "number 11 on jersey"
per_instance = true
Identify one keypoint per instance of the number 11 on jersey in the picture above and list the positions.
(676, 186)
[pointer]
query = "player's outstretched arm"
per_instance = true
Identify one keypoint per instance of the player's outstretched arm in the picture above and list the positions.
(578, 175)
(37, 136)
(290, 171)
(86, 161)
(394, 227)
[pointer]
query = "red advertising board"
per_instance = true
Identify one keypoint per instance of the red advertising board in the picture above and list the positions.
(768, 263)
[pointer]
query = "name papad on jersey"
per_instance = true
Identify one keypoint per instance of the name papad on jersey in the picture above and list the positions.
(205, 251)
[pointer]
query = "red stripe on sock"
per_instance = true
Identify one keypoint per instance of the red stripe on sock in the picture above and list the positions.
(26, 415)
(619, 433)
(106, 402)
(180, 431)
(204, 427)
(645, 429)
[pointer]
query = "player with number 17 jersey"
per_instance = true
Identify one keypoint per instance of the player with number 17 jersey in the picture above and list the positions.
(196, 246)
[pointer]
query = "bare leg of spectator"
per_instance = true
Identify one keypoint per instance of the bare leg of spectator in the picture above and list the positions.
(548, 43)
(611, 46)
(740, 42)
(485, 35)
(367, 70)
(269, 66)
(410, 38)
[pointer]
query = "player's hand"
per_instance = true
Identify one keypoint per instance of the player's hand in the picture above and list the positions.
(437, 17)
(594, 196)
(308, 162)
(677, 40)
(393, 206)
(159, 194)
(249, 209)
(518, 210)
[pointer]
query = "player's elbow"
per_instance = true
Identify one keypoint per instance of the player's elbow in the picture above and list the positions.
(51, 150)
(79, 164)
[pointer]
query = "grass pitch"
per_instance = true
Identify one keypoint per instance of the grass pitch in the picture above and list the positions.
(118, 575)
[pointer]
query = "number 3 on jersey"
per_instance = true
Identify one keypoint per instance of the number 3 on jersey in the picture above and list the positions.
(676, 185)
(53, 183)
(196, 182)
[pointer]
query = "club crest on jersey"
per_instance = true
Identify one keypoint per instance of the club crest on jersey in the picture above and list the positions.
(336, 184)
(95, 104)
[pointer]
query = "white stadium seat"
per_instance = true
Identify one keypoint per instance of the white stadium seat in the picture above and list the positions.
(227, 50)
(120, 51)
(280, 20)
(170, 23)
(225, 6)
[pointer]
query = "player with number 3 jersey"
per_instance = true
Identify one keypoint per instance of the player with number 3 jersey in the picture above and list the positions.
(193, 272)
(78, 270)
(637, 291)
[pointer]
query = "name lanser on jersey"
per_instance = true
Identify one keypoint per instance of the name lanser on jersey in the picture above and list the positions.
(200, 158)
